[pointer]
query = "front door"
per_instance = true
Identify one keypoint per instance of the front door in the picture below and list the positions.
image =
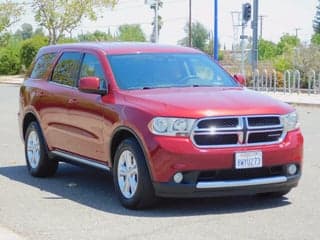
(85, 113)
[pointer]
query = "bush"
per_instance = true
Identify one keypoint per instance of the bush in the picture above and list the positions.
(9, 61)
(282, 63)
(29, 49)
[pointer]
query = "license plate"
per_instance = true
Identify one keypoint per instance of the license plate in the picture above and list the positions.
(252, 159)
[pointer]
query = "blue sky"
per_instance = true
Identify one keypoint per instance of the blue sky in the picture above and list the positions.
(282, 16)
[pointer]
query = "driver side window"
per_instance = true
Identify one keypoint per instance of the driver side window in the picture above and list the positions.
(91, 67)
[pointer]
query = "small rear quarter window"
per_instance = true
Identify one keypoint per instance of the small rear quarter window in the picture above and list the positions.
(41, 65)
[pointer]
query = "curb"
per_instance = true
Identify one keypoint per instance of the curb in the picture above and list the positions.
(10, 83)
(301, 104)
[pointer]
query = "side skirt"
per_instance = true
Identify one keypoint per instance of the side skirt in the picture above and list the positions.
(79, 160)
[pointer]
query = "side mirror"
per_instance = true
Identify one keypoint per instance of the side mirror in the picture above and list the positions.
(91, 85)
(240, 79)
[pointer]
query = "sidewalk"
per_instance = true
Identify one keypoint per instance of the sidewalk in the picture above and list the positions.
(15, 79)
(291, 98)
(296, 99)
(6, 234)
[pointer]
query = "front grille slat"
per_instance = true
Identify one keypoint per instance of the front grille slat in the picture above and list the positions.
(261, 137)
(219, 123)
(216, 139)
(263, 121)
(237, 131)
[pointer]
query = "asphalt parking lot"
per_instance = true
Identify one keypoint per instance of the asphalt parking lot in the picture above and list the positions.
(80, 203)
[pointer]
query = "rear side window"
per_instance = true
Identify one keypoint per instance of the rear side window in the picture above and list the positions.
(67, 69)
(91, 67)
(41, 66)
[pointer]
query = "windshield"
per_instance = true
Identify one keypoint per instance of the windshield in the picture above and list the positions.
(165, 70)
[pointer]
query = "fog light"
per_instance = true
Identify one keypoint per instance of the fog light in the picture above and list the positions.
(292, 169)
(178, 177)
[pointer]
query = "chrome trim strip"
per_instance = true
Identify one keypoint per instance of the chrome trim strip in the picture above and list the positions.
(241, 183)
(198, 133)
(82, 160)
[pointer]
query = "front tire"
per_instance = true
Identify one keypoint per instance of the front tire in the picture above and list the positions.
(38, 162)
(131, 176)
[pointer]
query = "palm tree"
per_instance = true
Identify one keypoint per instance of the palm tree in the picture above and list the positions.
(316, 21)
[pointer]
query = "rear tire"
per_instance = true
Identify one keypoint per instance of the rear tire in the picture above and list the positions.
(36, 153)
(131, 176)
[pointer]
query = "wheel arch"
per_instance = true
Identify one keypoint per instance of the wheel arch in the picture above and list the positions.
(28, 118)
(122, 133)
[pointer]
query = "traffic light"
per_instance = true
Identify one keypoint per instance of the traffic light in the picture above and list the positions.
(246, 12)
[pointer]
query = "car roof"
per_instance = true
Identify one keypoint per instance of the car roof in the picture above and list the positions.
(115, 48)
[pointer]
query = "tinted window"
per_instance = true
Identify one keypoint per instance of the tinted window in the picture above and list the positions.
(67, 69)
(41, 66)
(91, 67)
(156, 70)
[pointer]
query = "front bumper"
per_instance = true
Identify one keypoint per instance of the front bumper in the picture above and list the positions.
(226, 188)
(169, 155)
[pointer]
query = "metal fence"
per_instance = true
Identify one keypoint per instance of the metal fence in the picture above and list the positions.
(290, 81)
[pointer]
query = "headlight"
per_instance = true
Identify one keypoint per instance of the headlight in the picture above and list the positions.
(290, 121)
(171, 126)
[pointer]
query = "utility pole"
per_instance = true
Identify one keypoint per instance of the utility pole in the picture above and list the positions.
(261, 24)
(157, 21)
(190, 25)
(297, 32)
(255, 35)
(236, 23)
(215, 40)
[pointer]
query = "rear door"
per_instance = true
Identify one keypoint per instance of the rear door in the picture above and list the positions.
(59, 129)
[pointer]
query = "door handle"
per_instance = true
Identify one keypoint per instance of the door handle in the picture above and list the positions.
(40, 93)
(72, 101)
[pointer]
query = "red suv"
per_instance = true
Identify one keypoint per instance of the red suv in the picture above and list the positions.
(165, 120)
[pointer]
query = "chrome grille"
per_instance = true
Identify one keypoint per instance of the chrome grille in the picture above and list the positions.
(237, 131)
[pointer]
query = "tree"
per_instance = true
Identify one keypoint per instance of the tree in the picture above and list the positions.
(160, 21)
(267, 50)
(316, 21)
(287, 43)
(29, 49)
(10, 13)
(200, 36)
(97, 36)
(10, 59)
(316, 39)
(60, 16)
(307, 59)
(39, 32)
(131, 33)
(25, 32)
(282, 63)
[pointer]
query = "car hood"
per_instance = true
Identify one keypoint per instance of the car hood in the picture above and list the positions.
(199, 102)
